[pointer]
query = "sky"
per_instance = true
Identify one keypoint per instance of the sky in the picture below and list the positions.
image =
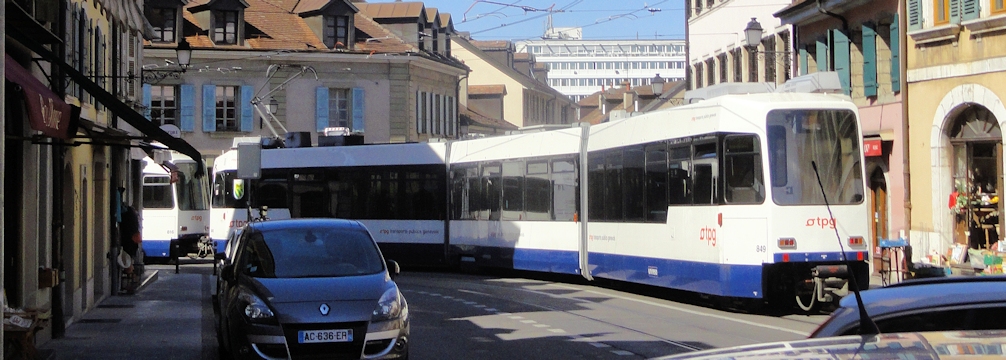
(600, 19)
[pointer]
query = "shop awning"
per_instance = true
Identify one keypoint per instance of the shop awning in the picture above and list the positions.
(47, 112)
(117, 107)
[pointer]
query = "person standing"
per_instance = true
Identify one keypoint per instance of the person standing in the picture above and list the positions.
(130, 239)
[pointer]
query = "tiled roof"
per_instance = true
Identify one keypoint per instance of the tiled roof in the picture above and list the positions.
(486, 89)
(491, 44)
(521, 56)
(483, 120)
(445, 19)
(309, 5)
(432, 15)
(392, 10)
(385, 41)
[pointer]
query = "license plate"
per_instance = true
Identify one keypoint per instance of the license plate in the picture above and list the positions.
(324, 336)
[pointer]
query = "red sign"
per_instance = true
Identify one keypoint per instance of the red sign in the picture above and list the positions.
(46, 111)
(873, 147)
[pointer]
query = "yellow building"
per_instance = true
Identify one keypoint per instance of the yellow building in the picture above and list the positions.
(956, 76)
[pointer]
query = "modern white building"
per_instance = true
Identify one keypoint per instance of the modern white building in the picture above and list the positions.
(578, 68)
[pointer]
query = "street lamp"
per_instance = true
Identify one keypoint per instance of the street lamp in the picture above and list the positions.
(657, 83)
(184, 54)
(273, 106)
(752, 34)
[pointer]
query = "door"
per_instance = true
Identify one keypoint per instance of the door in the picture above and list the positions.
(878, 207)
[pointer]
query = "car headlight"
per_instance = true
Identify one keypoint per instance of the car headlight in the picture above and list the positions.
(255, 309)
(389, 306)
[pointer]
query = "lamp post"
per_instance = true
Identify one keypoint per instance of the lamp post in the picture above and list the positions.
(657, 84)
(273, 106)
(752, 38)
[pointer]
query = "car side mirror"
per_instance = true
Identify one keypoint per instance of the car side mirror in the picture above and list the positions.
(393, 269)
(227, 273)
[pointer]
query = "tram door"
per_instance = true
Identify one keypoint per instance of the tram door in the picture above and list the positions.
(878, 206)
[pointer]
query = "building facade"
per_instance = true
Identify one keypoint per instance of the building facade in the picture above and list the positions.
(858, 40)
(956, 78)
(578, 68)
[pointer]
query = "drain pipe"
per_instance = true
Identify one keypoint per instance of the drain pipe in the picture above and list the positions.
(903, 81)
(820, 8)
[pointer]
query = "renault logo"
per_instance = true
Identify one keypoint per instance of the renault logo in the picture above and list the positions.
(324, 309)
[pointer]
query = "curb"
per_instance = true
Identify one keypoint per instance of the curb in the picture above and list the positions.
(147, 280)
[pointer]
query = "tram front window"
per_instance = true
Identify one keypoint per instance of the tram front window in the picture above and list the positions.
(827, 138)
(157, 193)
(191, 193)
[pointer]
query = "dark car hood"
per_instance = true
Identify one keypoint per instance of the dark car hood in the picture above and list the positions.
(347, 288)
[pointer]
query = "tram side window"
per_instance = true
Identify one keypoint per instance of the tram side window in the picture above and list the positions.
(777, 155)
(271, 190)
(513, 190)
(679, 181)
(613, 196)
(705, 174)
(491, 189)
(564, 191)
(224, 189)
(634, 184)
(343, 194)
(596, 179)
(743, 170)
(459, 194)
(537, 191)
(157, 193)
(656, 183)
(309, 196)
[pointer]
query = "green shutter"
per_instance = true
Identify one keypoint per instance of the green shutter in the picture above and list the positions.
(321, 108)
(955, 11)
(869, 60)
(915, 19)
(187, 103)
(895, 56)
(209, 108)
(970, 9)
(841, 56)
(821, 55)
(803, 61)
(146, 101)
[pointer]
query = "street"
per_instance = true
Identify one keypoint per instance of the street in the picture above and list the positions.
(453, 316)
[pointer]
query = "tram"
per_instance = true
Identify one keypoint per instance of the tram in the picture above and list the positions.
(757, 197)
(175, 207)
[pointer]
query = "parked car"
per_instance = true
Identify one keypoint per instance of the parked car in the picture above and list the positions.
(310, 288)
(910, 345)
(934, 304)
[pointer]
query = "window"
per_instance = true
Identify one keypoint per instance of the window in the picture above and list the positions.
(336, 31)
(941, 12)
(339, 108)
(163, 105)
(656, 183)
(227, 111)
(157, 193)
(163, 21)
(742, 167)
(997, 6)
(225, 27)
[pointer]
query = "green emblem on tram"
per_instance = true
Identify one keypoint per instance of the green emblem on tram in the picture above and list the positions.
(239, 189)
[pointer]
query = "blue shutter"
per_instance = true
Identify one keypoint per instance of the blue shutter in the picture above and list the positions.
(247, 118)
(821, 55)
(895, 56)
(321, 108)
(841, 56)
(804, 61)
(187, 116)
(915, 19)
(869, 60)
(146, 101)
(955, 11)
(358, 110)
(970, 9)
(209, 108)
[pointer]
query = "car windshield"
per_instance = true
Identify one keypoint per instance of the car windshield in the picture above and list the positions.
(300, 253)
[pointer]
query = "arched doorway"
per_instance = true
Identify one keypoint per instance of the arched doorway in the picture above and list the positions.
(977, 171)
(878, 207)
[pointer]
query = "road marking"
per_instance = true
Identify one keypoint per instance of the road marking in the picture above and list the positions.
(557, 330)
(676, 308)
(515, 317)
(479, 306)
(600, 345)
(490, 309)
(622, 352)
(542, 325)
(528, 321)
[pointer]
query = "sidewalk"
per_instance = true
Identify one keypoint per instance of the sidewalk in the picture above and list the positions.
(169, 317)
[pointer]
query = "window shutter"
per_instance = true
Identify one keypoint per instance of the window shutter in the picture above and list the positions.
(955, 11)
(321, 108)
(841, 56)
(358, 109)
(146, 101)
(803, 61)
(209, 108)
(970, 9)
(247, 117)
(822, 54)
(895, 56)
(187, 118)
(915, 19)
(419, 107)
(869, 60)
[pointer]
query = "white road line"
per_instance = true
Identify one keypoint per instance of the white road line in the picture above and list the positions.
(528, 321)
(600, 345)
(490, 309)
(557, 330)
(622, 352)
(676, 308)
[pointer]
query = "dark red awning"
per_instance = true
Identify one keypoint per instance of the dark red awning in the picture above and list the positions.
(46, 111)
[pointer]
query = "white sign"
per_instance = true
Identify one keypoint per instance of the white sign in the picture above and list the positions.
(172, 130)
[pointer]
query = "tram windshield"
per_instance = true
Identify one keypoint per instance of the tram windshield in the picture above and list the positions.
(190, 190)
(828, 138)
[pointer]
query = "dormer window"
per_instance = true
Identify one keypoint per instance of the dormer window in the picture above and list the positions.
(163, 21)
(225, 27)
(336, 31)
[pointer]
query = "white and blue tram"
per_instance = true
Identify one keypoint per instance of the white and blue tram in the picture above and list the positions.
(176, 206)
(718, 198)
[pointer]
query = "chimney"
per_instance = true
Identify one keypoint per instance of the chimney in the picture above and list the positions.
(602, 104)
(628, 101)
